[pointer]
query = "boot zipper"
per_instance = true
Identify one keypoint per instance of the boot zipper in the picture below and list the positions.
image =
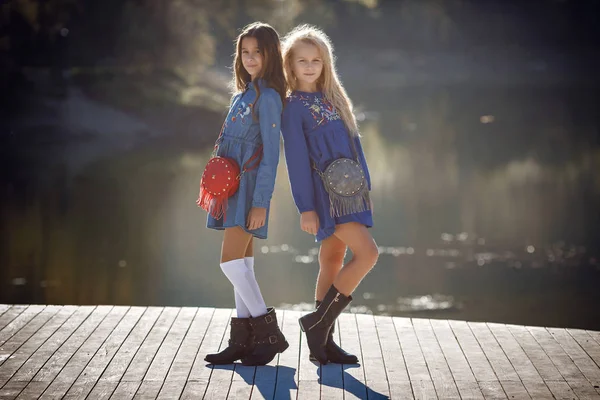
(335, 299)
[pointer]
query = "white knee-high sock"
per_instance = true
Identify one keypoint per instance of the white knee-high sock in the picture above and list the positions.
(240, 306)
(245, 285)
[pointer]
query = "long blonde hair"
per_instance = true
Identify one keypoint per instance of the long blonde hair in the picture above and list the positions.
(328, 82)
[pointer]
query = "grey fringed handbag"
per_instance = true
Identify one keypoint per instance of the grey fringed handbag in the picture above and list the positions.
(346, 185)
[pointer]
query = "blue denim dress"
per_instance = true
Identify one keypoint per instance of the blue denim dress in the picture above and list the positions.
(243, 133)
(313, 129)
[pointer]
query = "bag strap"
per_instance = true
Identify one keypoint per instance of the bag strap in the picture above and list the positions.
(252, 163)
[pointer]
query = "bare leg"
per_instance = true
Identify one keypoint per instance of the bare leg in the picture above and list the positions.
(331, 259)
(250, 248)
(364, 256)
(235, 244)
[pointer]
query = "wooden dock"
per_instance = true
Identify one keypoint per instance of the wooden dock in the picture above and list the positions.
(78, 352)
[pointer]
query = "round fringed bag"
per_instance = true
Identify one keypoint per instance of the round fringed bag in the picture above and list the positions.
(221, 179)
(345, 183)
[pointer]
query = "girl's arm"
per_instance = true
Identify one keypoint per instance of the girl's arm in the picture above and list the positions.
(297, 158)
(362, 160)
(269, 116)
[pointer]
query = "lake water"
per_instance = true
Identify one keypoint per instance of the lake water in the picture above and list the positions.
(485, 209)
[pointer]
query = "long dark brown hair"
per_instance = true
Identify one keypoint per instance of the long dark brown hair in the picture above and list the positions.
(270, 48)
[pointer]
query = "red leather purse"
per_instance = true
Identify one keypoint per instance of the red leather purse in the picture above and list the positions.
(221, 179)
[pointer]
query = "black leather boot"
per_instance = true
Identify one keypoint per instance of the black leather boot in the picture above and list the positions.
(335, 353)
(240, 343)
(316, 325)
(268, 340)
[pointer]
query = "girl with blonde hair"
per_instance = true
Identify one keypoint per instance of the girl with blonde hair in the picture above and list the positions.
(330, 182)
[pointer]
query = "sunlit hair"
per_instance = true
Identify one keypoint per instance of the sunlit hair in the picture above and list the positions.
(328, 82)
(270, 48)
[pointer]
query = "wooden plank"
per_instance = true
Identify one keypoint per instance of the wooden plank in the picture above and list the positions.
(424, 390)
(91, 374)
(165, 355)
(393, 359)
(194, 390)
(169, 389)
(220, 376)
(148, 390)
(84, 354)
(32, 390)
(372, 358)
(538, 390)
(584, 390)
(517, 357)
(13, 348)
(568, 370)
(19, 354)
(19, 321)
(9, 315)
(211, 344)
(201, 372)
(580, 358)
(587, 343)
(415, 361)
(286, 386)
(103, 390)
(595, 335)
(354, 376)
(438, 366)
(147, 352)
(73, 342)
(561, 390)
(474, 354)
(126, 352)
(125, 390)
(456, 359)
(469, 390)
(493, 352)
(492, 390)
(392, 352)
(535, 353)
(3, 309)
(38, 359)
(457, 362)
(187, 353)
(310, 390)
(12, 389)
(515, 390)
(240, 389)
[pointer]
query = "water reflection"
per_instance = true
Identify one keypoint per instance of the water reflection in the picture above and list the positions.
(468, 227)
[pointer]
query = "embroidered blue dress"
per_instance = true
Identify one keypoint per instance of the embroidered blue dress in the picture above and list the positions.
(313, 130)
(242, 136)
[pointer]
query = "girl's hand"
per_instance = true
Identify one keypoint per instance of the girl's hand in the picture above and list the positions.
(309, 222)
(256, 218)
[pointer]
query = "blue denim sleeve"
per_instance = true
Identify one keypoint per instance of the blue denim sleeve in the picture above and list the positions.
(269, 118)
(363, 160)
(297, 158)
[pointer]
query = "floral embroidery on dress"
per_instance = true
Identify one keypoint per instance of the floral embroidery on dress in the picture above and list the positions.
(243, 112)
(320, 109)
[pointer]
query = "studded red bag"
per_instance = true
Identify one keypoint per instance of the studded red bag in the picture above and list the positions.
(221, 179)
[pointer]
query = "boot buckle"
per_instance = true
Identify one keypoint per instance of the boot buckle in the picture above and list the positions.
(268, 319)
(272, 339)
